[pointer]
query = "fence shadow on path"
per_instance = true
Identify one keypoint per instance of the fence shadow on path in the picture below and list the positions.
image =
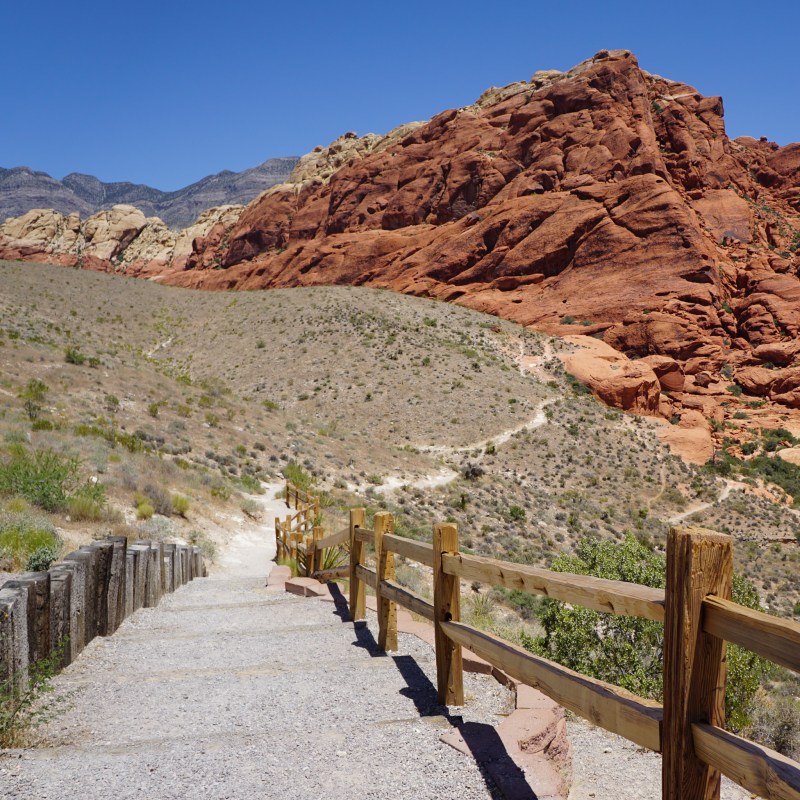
(481, 739)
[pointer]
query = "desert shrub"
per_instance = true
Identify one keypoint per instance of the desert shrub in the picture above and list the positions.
(43, 477)
(159, 498)
(250, 507)
(775, 722)
(294, 473)
(41, 558)
(22, 534)
(33, 396)
(144, 510)
(74, 356)
(24, 705)
(516, 513)
(527, 605)
(180, 504)
(84, 509)
(204, 542)
(251, 484)
(629, 651)
(221, 491)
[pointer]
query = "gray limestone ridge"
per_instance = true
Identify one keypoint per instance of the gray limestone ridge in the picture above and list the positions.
(22, 189)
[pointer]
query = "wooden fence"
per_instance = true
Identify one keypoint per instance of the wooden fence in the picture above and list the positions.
(302, 538)
(698, 616)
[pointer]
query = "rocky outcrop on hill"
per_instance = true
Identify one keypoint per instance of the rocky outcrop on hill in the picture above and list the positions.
(22, 190)
(603, 201)
(121, 239)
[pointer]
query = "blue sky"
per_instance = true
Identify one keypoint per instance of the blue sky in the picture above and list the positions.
(166, 92)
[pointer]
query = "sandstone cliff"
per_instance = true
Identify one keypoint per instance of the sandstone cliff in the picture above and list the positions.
(603, 201)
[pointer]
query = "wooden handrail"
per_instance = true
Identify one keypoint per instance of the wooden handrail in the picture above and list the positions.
(334, 539)
(409, 548)
(698, 619)
(599, 594)
(367, 575)
(365, 535)
(753, 766)
(606, 705)
(772, 637)
(407, 599)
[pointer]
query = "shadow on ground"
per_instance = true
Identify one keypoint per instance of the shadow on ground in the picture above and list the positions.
(506, 779)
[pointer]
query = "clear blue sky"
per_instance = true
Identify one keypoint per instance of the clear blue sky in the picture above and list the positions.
(166, 92)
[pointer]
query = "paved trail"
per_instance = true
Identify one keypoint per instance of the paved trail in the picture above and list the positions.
(231, 690)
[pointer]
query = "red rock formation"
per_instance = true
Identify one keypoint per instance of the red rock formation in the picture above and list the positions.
(603, 195)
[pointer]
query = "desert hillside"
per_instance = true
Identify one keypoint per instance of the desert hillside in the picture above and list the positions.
(602, 201)
(416, 406)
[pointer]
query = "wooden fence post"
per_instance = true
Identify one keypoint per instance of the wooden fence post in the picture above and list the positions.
(699, 563)
(446, 608)
(358, 600)
(310, 551)
(278, 537)
(317, 534)
(384, 570)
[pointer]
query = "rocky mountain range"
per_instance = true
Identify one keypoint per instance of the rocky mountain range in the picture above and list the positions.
(23, 189)
(604, 203)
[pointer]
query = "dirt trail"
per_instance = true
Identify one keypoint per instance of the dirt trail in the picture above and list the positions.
(251, 549)
(730, 485)
(527, 365)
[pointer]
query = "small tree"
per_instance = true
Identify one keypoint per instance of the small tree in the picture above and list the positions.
(34, 395)
(629, 651)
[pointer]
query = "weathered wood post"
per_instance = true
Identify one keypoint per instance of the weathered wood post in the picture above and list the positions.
(699, 563)
(310, 556)
(384, 571)
(447, 608)
(358, 600)
(278, 553)
(317, 534)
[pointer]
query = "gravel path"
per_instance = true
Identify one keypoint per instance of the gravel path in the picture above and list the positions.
(229, 690)
(607, 767)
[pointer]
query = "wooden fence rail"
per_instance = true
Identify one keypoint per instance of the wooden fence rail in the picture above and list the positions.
(301, 537)
(698, 616)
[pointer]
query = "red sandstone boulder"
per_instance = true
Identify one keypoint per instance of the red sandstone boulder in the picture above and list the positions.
(668, 371)
(612, 377)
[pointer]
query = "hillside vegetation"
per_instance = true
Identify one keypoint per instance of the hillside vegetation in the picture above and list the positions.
(155, 412)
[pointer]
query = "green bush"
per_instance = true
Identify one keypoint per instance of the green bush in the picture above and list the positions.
(84, 509)
(41, 558)
(629, 651)
(251, 484)
(516, 513)
(180, 504)
(34, 395)
(294, 473)
(22, 534)
(74, 356)
(144, 510)
(43, 477)
(221, 491)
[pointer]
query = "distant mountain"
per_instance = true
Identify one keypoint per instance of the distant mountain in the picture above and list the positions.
(22, 189)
